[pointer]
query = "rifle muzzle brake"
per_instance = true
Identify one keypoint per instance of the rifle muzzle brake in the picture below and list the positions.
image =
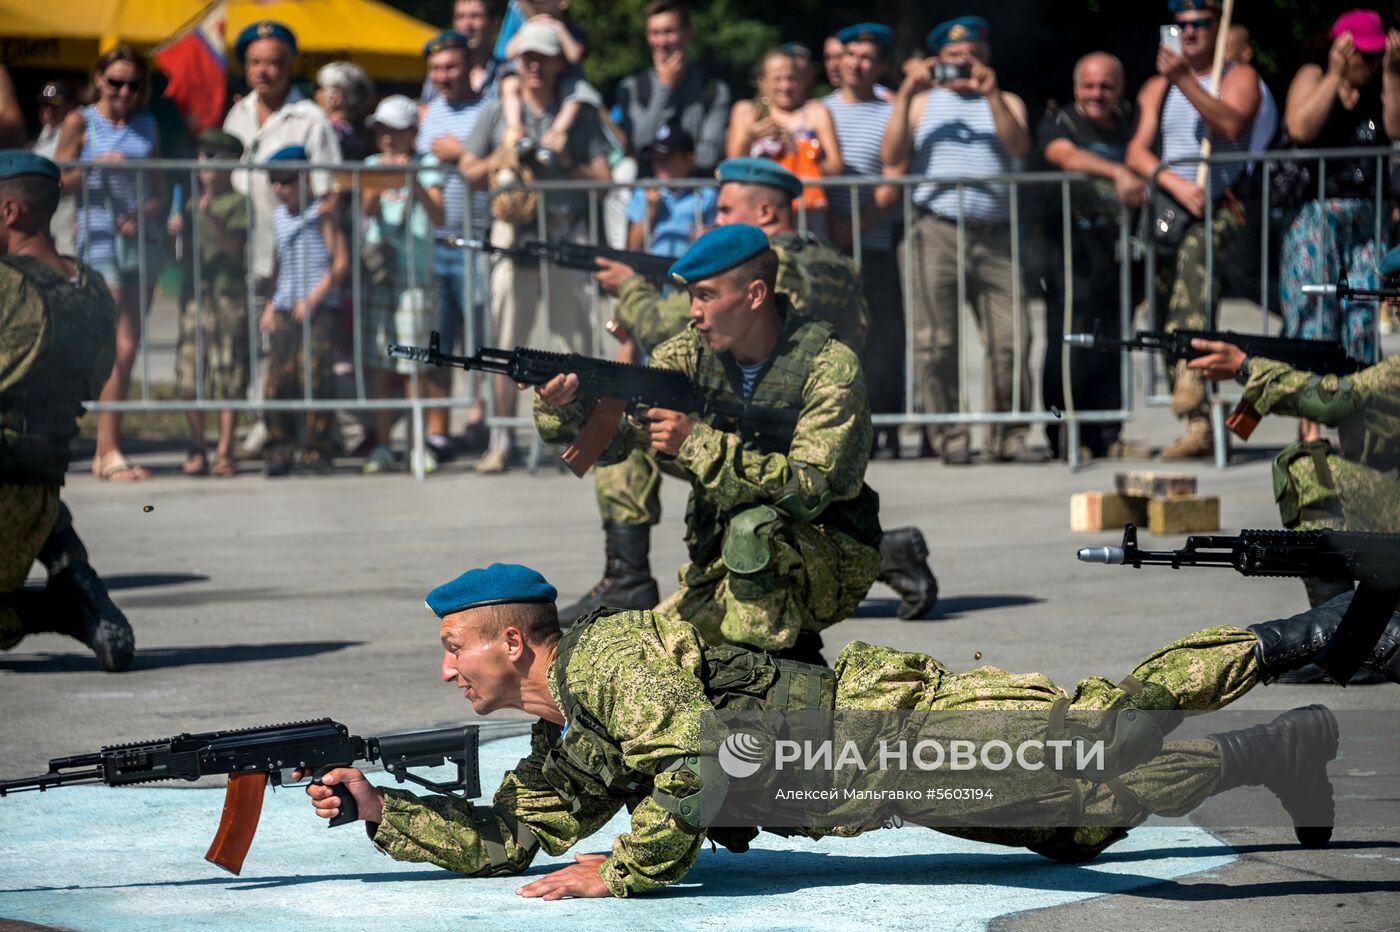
(1113, 556)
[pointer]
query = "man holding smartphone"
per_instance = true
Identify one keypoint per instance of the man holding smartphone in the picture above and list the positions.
(952, 120)
(1178, 108)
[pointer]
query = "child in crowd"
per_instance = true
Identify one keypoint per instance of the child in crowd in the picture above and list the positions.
(400, 213)
(574, 91)
(213, 230)
(666, 221)
(311, 260)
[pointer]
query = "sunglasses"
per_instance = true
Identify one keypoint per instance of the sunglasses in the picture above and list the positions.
(282, 179)
(1200, 22)
(116, 85)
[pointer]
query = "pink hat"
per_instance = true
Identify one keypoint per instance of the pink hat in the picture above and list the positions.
(1367, 33)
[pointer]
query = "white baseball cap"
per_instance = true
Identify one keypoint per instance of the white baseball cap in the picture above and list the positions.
(537, 37)
(394, 112)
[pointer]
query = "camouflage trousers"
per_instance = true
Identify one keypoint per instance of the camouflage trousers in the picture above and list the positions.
(629, 492)
(1317, 489)
(1180, 280)
(285, 369)
(224, 322)
(1202, 671)
(814, 579)
(27, 513)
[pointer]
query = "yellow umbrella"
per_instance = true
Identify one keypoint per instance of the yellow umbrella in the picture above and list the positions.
(70, 34)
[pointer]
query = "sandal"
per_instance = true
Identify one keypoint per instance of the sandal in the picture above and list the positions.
(115, 467)
(196, 463)
(224, 468)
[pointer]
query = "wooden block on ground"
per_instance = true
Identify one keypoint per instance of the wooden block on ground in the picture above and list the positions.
(1184, 514)
(1154, 484)
(1105, 511)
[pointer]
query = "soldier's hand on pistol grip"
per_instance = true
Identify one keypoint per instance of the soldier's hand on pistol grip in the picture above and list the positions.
(369, 798)
(668, 430)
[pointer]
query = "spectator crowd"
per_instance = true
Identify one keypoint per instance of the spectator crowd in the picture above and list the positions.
(505, 103)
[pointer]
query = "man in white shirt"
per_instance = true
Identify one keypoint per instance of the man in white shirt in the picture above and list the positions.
(273, 116)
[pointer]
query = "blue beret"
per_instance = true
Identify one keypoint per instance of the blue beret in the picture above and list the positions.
(1390, 263)
(444, 41)
(15, 162)
(719, 250)
(882, 36)
(496, 584)
(1186, 6)
(263, 29)
(748, 170)
(962, 29)
(290, 154)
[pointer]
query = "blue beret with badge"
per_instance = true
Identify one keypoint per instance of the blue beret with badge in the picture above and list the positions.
(444, 41)
(749, 170)
(883, 36)
(497, 584)
(718, 251)
(16, 162)
(962, 29)
(290, 154)
(1390, 263)
(263, 29)
(1186, 6)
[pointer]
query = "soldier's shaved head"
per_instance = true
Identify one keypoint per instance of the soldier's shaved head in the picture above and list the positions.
(537, 621)
(37, 194)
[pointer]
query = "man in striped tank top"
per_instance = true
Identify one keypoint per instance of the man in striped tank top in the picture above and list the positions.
(963, 126)
(1178, 109)
(860, 115)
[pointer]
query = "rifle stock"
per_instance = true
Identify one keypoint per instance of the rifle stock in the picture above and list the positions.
(243, 802)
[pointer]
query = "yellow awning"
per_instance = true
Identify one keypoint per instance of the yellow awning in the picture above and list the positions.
(69, 34)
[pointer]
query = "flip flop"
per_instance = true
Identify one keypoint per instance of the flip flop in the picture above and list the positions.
(224, 468)
(196, 463)
(117, 468)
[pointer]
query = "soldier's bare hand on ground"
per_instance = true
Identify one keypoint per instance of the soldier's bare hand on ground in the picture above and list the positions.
(578, 879)
(611, 275)
(369, 799)
(558, 391)
(1221, 362)
(668, 429)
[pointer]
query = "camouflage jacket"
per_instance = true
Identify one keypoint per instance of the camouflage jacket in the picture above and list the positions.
(1364, 407)
(640, 678)
(57, 341)
(824, 461)
(818, 280)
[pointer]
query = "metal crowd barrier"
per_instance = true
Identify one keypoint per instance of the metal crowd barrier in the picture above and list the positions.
(352, 181)
(1264, 162)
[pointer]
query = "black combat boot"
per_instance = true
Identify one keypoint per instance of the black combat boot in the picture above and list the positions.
(78, 601)
(904, 568)
(627, 581)
(1290, 644)
(1289, 756)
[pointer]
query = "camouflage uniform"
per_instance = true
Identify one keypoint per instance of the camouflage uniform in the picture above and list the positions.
(823, 538)
(284, 381)
(223, 309)
(1357, 488)
(633, 687)
(818, 281)
(57, 343)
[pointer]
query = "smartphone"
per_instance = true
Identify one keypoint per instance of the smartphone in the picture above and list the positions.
(1171, 38)
(946, 72)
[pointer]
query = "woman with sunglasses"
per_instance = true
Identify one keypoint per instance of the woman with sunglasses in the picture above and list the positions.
(1352, 100)
(112, 235)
